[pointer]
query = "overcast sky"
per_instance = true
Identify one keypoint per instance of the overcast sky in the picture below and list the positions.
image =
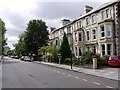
(17, 13)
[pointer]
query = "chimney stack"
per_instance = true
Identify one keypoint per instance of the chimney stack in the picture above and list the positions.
(64, 22)
(52, 28)
(87, 9)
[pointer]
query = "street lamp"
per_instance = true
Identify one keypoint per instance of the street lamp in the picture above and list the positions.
(71, 58)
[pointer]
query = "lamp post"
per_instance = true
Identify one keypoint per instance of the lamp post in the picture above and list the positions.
(71, 58)
(1, 38)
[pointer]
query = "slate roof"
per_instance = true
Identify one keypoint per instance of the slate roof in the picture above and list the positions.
(93, 11)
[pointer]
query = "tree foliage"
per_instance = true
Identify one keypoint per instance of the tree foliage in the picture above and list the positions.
(36, 35)
(65, 48)
(50, 52)
(20, 47)
(3, 31)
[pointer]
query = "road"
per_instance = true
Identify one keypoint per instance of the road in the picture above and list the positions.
(23, 74)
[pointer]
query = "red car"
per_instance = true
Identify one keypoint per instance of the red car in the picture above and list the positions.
(114, 60)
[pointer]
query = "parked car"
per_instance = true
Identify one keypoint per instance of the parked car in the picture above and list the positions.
(12, 56)
(22, 58)
(1, 57)
(16, 57)
(114, 60)
(27, 58)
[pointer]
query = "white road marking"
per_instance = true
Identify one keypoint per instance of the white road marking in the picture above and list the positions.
(109, 87)
(77, 77)
(63, 73)
(69, 75)
(96, 83)
(110, 72)
(85, 80)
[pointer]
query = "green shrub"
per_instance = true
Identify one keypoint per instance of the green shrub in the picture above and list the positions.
(87, 57)
(105, 59)
(68, 61)
(77, 62)
(101, 60)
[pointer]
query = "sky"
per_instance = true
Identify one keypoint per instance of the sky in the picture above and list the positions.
(17, 13)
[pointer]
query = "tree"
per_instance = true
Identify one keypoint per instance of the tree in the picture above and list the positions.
(65, 48)
(50, 52)
(20, 48)
(2, 36)
(36, 35)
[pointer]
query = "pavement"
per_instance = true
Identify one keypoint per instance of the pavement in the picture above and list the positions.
(110, 73)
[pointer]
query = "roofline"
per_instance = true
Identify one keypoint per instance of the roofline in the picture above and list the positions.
(91, 12)
(96, 10)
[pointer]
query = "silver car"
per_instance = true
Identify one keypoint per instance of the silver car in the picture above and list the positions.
(27, 58)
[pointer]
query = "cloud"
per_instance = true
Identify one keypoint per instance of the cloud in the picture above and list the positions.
(53, 10)
(17, 13)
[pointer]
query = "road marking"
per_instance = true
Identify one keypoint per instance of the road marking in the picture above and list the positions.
(110, 72)
(109, 87)
(63, 73)
(69, 75)
(77, 77)
(85, 80)
(96, 83)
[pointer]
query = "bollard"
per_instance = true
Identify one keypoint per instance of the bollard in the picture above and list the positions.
(94, 63)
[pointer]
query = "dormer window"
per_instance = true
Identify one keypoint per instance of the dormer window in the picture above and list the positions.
(103, 15)
(107, 13)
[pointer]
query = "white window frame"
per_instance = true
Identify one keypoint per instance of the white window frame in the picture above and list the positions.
(80, 23)
(103, 16)
(93, 19)
(102, 31)
(94, 48)
(87, 21)
(79, 51)
(108, 13)
(103, 50)
(75, 36)
(76, 51)
(81, 36)
(94, 34)
(78, 26)
(87, 36)
(108, 30)
(110, 49)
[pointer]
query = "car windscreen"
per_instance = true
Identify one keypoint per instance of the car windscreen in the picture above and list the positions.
(114, 58)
